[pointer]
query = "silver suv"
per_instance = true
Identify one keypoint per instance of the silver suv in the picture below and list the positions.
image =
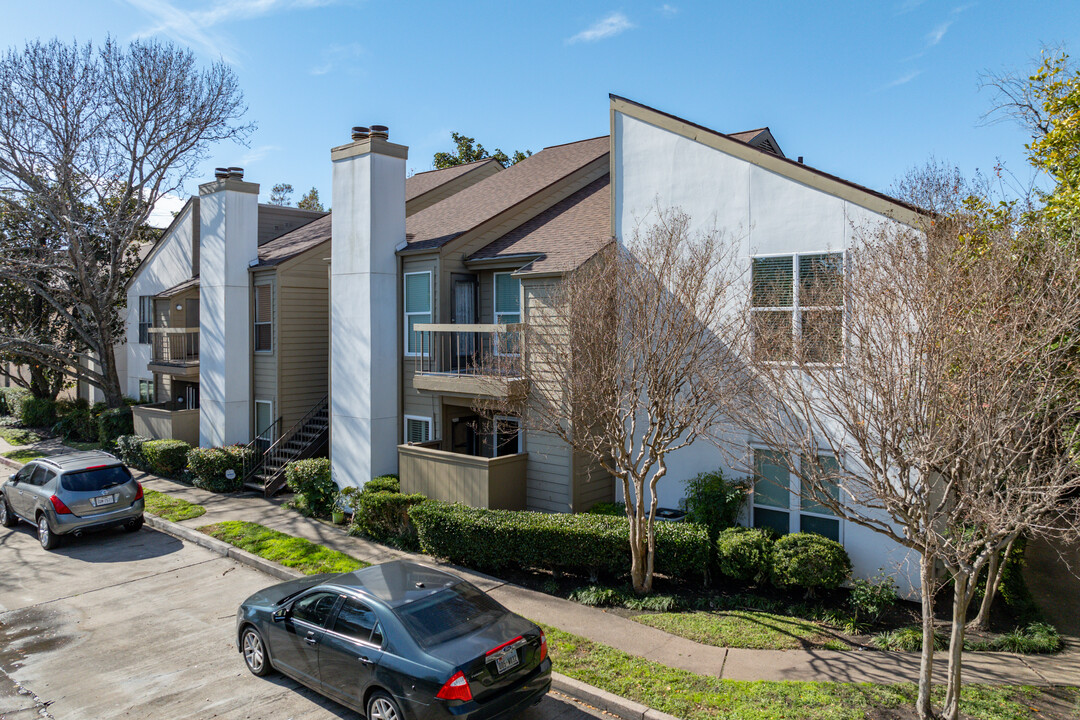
(71, 494)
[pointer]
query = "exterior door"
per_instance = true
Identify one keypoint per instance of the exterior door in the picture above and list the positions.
(350, 651)
(294, 641)
(465, 290)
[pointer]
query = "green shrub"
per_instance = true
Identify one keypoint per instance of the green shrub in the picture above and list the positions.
(869, 599)
(809, 561)
(608, 508)
(310, 480)
(209, 467)
(76, 424)
(583, 543)
(745, 554)
(383, 483)
(598, 596)
(166, 458)
(12, 399)
(130, 450)
(38, 412)
(714, 501)
(1038, 637)
(384, 517)
(113, 423)
(907, 639)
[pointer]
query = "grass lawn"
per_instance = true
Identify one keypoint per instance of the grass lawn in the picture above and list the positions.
(19, 436)
(744, 629)
(691, 696)
(24, 455)
(80, 445)
(294, 552)
(170, 508)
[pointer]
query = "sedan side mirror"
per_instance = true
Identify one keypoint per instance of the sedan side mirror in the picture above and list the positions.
(14, 478)
(281, 614)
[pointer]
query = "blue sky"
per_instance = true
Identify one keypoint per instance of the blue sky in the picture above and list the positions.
(865, 90)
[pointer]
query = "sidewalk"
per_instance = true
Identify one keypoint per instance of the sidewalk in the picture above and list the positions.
(637, 639)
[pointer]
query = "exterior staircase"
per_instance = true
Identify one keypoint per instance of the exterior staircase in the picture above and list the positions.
(307, 438)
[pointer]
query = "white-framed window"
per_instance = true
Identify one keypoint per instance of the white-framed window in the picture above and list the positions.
(507, 310)
(264, 318)
(797, 303)
(417, 311)
(146, 318)
(782, 504)
(417, 429)
(264, 420)
(146, 391)
(506, 435)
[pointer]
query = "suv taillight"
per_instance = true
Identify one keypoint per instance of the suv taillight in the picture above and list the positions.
(59, 506)
(456, 688)
(543, 646)
(138, 493)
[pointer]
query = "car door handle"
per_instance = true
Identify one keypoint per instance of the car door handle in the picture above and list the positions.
(365, 659)
(311, 639)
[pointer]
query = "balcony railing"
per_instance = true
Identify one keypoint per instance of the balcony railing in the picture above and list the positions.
(174, 346)
(471, 359)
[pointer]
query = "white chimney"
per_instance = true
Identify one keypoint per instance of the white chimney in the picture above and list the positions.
(368, 224)
(228, 245)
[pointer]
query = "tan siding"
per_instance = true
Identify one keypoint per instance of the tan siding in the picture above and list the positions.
(592, 484)
(265, 364)
(304, 337)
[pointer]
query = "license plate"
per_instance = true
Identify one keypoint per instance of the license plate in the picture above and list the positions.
(103, 500)
(506, 660)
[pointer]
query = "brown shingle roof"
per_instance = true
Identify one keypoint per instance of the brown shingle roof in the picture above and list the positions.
(461, 212)
(293, 243)
(423, 182)
(192, 282)
(564, 236)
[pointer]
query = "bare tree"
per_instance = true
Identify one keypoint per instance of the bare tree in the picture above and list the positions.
(280, 194)
(90, 139)
(950, 398)
(626, 358)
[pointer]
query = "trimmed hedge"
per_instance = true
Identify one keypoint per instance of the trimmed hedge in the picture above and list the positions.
(130, 450)
(384, 517)
(383, 483)
(209, 466)
(37, 412)
(810, 561)
(745, 554)
(311, 481)
(580, 543)
(111, 424)
(167, 458)
(12, 399)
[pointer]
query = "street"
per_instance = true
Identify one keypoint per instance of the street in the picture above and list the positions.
(115, 625)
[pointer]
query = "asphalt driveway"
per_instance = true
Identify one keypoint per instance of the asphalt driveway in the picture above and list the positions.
(134, 626)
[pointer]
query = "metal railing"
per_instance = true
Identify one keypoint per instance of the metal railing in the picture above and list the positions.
(290, 445)
(253, 460)
(174, 346)
(488, 350)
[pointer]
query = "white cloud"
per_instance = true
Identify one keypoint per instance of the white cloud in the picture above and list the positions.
(256, 154)
(194, 27)
(904, 79)
(668, 10)
(908, 5)
(610, 26)
(938, 34)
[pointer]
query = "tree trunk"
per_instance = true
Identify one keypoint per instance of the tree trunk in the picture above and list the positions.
(923, 704)
(993, 580)
(962, 581)
(114, 394)
(638, 557)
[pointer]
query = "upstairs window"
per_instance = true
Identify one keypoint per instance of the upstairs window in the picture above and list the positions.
(797, 305)
(146, 318)
(507, 299)
(264, 315)
(417, 311)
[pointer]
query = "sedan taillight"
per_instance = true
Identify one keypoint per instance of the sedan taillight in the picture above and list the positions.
(59, 506)
(456, 688)
(543, 646)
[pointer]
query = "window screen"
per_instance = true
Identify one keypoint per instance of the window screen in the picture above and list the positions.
(146, 318)
(264, 309)
(417, 430)
(507, 298)
(417, 311)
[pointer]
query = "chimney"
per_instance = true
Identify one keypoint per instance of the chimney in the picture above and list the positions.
(369, 222)
(228, 245)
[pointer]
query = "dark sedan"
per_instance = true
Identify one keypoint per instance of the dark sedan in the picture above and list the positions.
(397, 641)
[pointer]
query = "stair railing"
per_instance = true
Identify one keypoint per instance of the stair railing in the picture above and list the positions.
(276, 451)
(253, 460)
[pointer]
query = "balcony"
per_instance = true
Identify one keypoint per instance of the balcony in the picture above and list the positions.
(174, 351)
(167, 421)
(469, 360)
(497, 483)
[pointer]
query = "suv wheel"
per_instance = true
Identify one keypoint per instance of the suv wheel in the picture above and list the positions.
(45, 534)
(7, 516)
(134, 525)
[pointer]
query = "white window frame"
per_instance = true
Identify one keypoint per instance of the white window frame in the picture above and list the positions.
(146, 302)
(430, 312)
(795, 509)
(497, 316)
(147, 389)
(255, 314)
(796, 309)
(495, 431)
(270, 437)
(418, 418)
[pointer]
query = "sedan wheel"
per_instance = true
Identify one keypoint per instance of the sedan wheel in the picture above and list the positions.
(45, 535)
(255, 652)
(382, 707)
(7, 517)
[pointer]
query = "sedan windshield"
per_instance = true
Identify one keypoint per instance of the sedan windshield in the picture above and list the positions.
(95, 479)
(448, 614)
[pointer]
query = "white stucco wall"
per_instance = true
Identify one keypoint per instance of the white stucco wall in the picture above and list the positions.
(169, 264)
(767, 213)
(369, 223)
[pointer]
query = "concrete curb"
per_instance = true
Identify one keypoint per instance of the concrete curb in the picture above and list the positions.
(13, 464)
(594, 696)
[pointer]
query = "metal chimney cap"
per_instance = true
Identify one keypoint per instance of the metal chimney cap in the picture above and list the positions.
(360, 132)
(236, 172)
(221, 173)
(380, 131)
